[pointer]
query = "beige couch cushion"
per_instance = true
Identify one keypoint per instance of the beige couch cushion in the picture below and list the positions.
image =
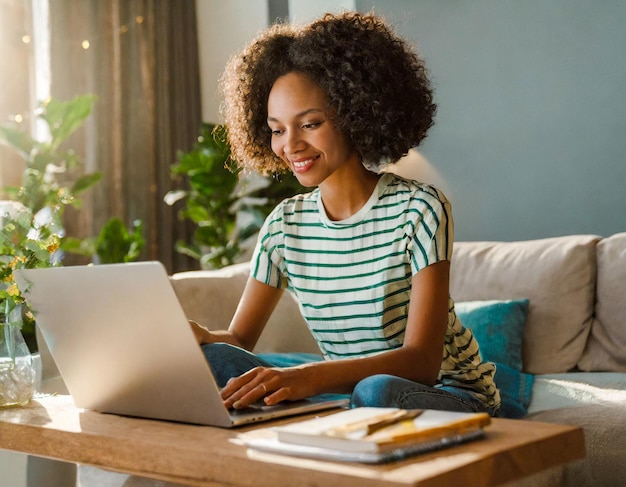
(606, 348)
(604, 427)
(556, 274)
(211, 298)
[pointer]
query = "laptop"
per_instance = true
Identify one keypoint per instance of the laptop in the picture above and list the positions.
(123, 345)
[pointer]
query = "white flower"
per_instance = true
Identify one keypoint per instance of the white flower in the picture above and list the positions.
(12, 210)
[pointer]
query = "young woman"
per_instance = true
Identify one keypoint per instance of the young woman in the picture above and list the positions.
(366, 253)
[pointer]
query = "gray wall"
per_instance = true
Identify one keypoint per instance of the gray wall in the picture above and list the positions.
(531, 128)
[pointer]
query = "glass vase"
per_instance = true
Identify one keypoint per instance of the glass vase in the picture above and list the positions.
(17, 368)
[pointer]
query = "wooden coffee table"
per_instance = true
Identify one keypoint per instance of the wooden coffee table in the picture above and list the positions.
(199, 455)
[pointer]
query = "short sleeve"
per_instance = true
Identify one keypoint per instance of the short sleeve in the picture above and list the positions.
(267, 263)
(433, 234)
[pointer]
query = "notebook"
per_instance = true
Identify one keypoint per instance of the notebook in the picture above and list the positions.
(370, 435)
(123, 345)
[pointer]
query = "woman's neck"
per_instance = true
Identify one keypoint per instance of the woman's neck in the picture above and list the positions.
(345, 195)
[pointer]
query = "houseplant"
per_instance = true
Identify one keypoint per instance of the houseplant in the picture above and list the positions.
(26, 242)
(114, 244)
(32, 230)
(51, 180)
(226, 207)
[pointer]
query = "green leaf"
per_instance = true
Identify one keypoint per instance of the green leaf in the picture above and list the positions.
(197, 214)
(85, 182)
(65, 117)
(188, 250)
(12, 192)
(18, 140)
(79, 246)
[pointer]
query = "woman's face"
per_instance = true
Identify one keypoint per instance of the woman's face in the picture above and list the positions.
(303, 133)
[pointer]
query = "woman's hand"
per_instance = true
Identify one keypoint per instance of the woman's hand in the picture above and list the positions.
(272, 385)
(202, 334)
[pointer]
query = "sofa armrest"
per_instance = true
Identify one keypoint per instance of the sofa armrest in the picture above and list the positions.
(606, 347)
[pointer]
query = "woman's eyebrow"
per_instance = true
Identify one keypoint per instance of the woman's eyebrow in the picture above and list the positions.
(299, 115)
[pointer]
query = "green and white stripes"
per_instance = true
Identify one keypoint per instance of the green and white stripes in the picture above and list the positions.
(352, 278)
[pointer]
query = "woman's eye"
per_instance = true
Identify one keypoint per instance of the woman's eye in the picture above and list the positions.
(311, 125)
(276, 131)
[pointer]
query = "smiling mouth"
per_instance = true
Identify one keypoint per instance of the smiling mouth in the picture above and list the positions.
(301, 164)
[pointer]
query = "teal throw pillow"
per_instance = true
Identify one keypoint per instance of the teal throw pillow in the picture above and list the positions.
(498, 326)
(515, 391)
(290, 359)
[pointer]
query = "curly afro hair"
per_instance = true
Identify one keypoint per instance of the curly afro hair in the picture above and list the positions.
(375, 82)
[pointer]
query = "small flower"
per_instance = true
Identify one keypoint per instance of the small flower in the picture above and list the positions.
(12, 210)
(27, 241)
(13, 290)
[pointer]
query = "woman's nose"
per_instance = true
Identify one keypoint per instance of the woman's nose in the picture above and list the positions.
(293, 141)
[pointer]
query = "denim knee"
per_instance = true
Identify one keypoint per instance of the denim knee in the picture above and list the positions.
(390, 391)
(374, 391)
(227, 361)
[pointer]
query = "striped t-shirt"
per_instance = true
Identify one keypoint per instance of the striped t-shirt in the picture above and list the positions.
(352, 277)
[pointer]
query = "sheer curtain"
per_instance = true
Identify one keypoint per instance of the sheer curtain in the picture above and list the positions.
(15, 71)
(140, 57)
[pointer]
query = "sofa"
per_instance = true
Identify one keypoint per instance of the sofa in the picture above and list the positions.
(550, 312)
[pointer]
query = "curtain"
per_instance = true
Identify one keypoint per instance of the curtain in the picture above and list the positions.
(15, 70)
(140, 57)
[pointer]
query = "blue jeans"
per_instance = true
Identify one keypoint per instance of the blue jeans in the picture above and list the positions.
(227, 361)
(390, 391)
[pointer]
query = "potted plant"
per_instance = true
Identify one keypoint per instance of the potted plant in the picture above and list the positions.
(26, 242)
(114, 244)
(33, 234)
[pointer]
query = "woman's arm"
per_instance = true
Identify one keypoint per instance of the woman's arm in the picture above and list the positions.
(255, 307)
(419, 359)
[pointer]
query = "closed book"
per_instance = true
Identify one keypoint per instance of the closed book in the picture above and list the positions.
(375, 430)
